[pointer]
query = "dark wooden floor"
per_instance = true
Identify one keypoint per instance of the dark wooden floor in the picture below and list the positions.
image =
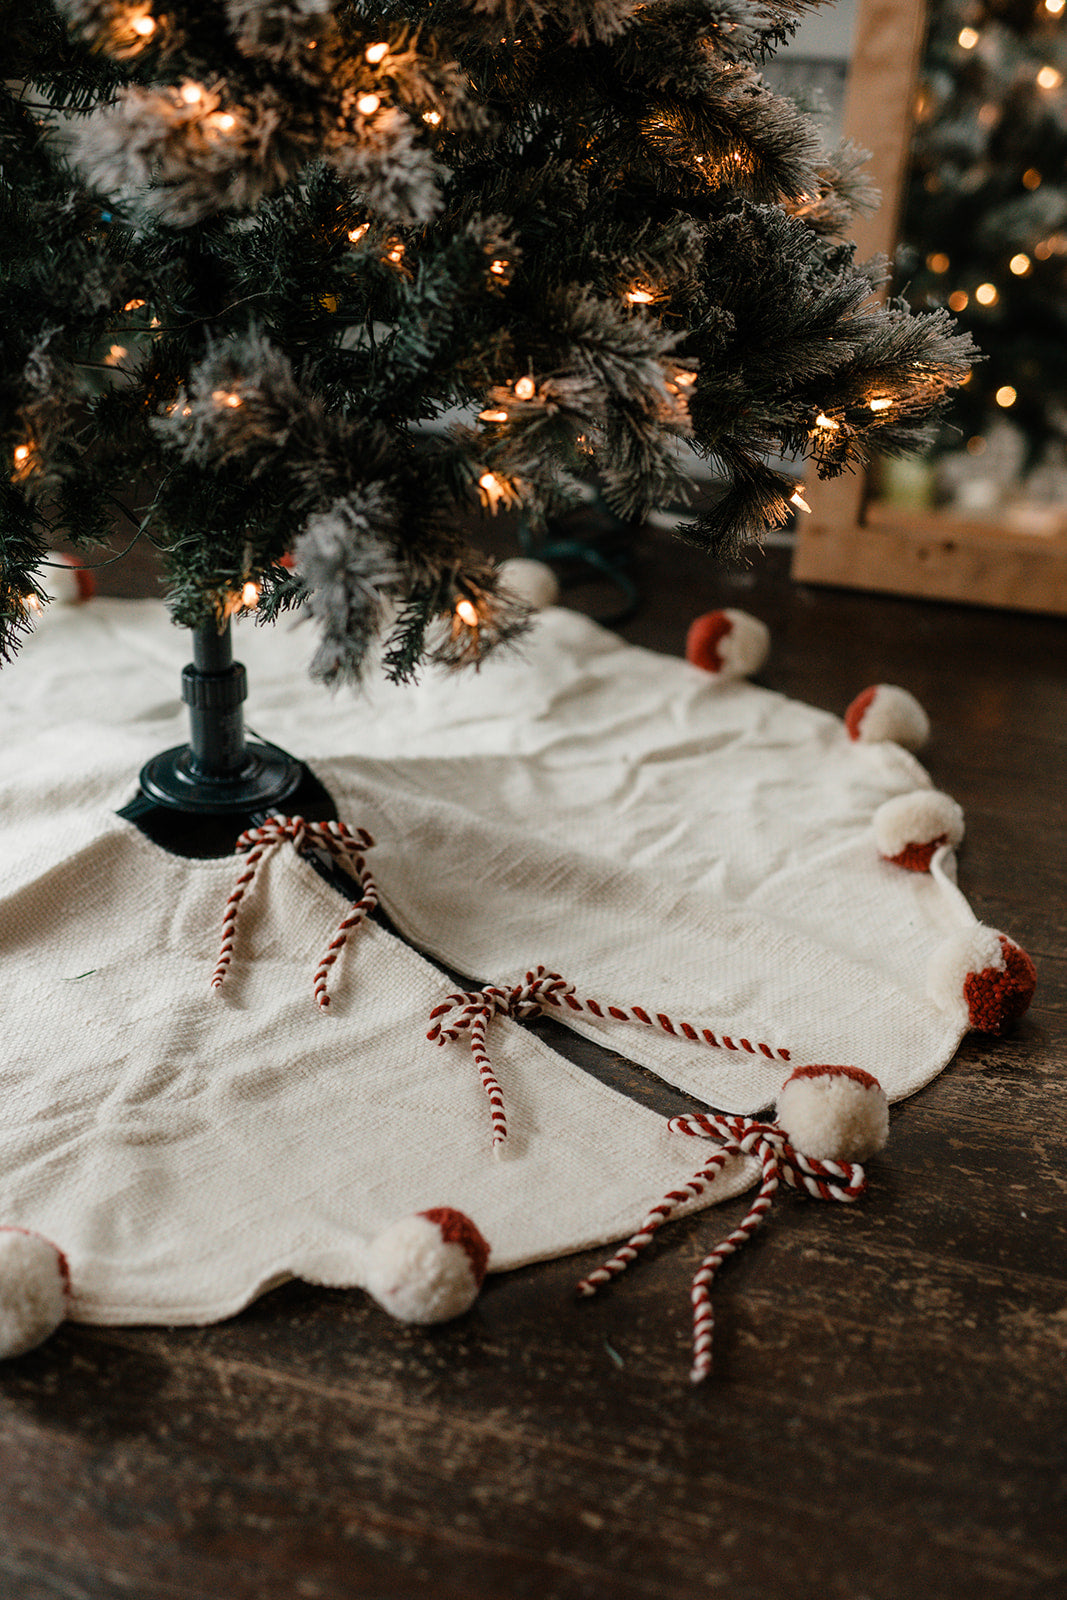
(887, 1419)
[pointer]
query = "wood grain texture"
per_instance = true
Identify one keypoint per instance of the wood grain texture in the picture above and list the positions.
(888, 1411)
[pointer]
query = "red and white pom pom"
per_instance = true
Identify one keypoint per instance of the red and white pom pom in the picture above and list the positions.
(65, 581)
(884, 712)
(833, 1113)
(531, 581)
(982, 978)
(33, 1290)
(729, 644)
(910, 828)
(428, 1267)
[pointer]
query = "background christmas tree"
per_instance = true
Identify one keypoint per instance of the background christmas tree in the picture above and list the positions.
(985, 228)
(256, 254)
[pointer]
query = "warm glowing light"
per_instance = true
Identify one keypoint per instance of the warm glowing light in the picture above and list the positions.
(375, 53)
(798, 500)
(1020, 265)
(192, 93)
(250, 595)
(938, 262)
(640, 297)
(1006, 396)
(881, 404)
(976, 445)
(225, 121)
(493, 489)
(959, 300)
(22, 454)
(968, 38)
(1049, 78)
(328, 302)
(827, 423)
(356, 234)
(1043, 250)
(32, 602)
(1054, 7)
(134, 305)
(498, 268)
(115, 355)
(226, 397)
(988, 115)
(986, 294)
(525, 389)
(686, 379)
(145, 26)
(1031, 178)
(432, 117)
(395, 255)
(367, 104)
(492, 416)
(466, 612)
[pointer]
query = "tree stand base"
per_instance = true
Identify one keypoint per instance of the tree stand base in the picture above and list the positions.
(266, 777)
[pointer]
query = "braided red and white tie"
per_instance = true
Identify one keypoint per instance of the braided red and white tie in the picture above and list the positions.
(542, 990)
(343, 844)
(737, 1136)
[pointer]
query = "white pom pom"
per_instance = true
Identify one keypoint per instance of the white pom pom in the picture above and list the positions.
(531, 581)
(981, 978)
(65, 581)
(886, 712)
(33, 1290)
(729, 644)
(428, 1267)
(833, 1113)
(911, 827)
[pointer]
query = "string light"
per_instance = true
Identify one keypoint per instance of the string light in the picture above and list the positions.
(798, 500)
(115, 355)
(492, 416)
(432, 117)
(134, 305)
(498, 267)
(224, 121)
(367, 104)
(250, 595)
(1019, 264)
(356, 234)
(1054, 7)
(32, 602)
(525, 389)
(145, 26)
(226, 397)
(1006, 396)
(881, 403)
(375, 53)
(968, 38)
(986, 294)
(640, 297)
(493, 489)
(468, 613)
(938, 262)
(395, 255)
(959, 300)
(686, 379)
(191, 93)
(827, 424)
(1049, 78)
(1031, 178)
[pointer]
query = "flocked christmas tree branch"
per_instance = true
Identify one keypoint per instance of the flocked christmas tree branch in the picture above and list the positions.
(255, 254)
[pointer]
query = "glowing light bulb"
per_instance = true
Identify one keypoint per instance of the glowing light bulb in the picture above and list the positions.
(976, 445)
(826, 423)
(881, 404)
(32, 602)
(115, 355)
(686, 379)
(356, 234)
(959, 300)
(375, 53)
(226, 397)
(498, 268)
(192, 93)
(396, 254)
(493, 489)
(367, 104)
(1006, 396)
(22, 454)
(798, 500)
(432, 117)
(1020, 265)
(1049, 78)
(225, 121)
(968, 38)
(145, 26)
(1031, 178)
(492, 416)
(134, 305)
(640, 297)
(250, 595)
(468, 613)
(938, 262)
(1054, 7)
(986, 294)
(525, 389)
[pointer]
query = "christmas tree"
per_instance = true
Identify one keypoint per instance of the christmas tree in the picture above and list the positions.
(985, 228)
(322, 278)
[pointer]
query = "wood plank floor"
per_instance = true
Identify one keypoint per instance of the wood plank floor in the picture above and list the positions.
(888, 1414)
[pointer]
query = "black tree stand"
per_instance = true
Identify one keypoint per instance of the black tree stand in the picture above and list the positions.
(196, 798)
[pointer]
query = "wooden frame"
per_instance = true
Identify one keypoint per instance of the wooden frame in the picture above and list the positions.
(851, 539)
